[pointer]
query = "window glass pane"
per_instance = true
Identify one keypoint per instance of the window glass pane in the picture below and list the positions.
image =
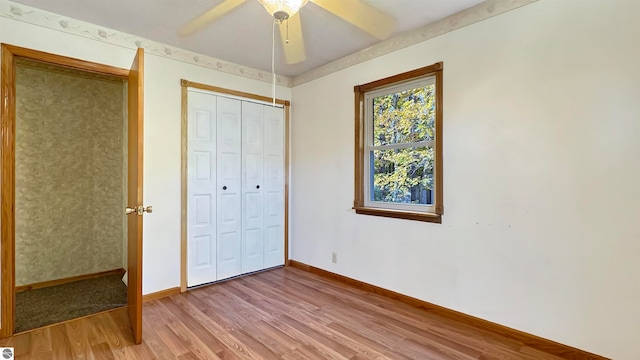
(403, 176)
(404, 117)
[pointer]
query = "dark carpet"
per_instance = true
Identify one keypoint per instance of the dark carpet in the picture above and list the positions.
(40, 307)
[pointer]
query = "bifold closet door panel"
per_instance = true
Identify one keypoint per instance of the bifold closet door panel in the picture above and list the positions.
(201, 193)
(229, 188)
(274, 186)
(252, 187)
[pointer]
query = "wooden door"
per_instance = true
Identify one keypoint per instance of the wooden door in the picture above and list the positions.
(229, 247)
(134, 219)
(201, 189)
(252, 187)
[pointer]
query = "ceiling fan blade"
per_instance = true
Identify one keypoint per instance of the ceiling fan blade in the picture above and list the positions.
(292, 40)
(364, 16)
(210, 16)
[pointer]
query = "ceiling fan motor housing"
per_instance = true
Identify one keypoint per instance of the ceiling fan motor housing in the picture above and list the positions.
(280, 15)
(283, 9)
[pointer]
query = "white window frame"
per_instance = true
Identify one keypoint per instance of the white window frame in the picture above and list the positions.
(368, 144)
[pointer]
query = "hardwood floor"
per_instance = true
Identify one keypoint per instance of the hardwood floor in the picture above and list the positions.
(279, 314)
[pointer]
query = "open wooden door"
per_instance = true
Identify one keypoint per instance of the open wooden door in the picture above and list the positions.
(135, 208)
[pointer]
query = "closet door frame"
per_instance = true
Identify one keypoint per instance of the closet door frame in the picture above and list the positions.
(186, 85)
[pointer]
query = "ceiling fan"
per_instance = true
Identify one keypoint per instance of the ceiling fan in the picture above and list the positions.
(286, 14)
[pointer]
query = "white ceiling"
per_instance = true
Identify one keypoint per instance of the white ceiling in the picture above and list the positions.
(244, 35)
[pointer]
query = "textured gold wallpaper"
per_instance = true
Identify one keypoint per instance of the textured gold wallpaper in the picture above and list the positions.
(70, 177)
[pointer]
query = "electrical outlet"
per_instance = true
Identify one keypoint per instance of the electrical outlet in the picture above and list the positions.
(334, 258)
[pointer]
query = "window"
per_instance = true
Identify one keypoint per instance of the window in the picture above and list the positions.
(398, 161)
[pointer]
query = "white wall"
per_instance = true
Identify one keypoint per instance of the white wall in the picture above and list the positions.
(161, 248)
(541, 172)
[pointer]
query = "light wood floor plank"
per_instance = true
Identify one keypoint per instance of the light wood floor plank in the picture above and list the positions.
(279, 314)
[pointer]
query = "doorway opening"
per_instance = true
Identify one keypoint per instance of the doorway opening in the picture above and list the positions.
(71, 161)
(70, 181)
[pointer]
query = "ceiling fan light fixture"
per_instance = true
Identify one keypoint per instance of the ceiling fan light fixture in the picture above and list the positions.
(283, 9)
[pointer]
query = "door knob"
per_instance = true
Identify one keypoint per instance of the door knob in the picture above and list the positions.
(138, 210)
(257, 186)
(224, 187)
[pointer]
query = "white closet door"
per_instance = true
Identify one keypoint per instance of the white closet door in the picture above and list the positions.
(201, 193)
(229, 250)
(252, 187)
(274, 186)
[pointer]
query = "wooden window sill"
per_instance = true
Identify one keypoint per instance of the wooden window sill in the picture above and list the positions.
(399, 214)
